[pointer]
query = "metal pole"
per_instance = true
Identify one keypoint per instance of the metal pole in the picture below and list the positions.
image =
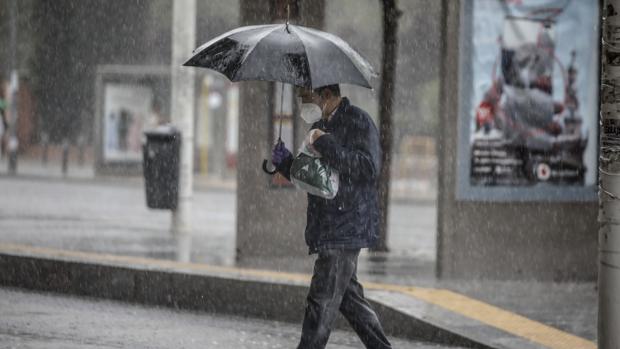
(13, 92)
(182, 110)
(609, 183)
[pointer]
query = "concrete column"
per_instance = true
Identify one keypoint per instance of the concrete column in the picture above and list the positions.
(270, 220)
(217, 127)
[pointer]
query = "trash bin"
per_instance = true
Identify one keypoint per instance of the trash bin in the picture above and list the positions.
(161, 167)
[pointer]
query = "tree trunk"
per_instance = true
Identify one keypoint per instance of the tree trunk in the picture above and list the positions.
(391, 13)
(609, 188)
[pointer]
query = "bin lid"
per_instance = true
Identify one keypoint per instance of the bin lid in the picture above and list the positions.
(162, 131)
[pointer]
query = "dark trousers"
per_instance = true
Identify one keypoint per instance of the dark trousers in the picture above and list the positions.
(334, 288)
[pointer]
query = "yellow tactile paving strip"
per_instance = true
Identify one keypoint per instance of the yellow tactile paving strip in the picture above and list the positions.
(485, 313)
(504, 320)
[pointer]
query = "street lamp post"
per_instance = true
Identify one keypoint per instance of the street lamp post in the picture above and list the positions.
(182, 110)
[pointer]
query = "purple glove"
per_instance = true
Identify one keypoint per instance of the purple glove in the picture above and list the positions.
(279, 154)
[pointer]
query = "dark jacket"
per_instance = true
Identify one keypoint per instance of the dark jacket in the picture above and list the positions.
(351, 146)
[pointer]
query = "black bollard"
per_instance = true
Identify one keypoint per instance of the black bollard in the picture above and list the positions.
(45, 142)
(65, 157)
(81, 145)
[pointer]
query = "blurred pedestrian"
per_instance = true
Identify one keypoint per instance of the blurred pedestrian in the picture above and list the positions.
(336, 229)
(3, 119)
(156, 116)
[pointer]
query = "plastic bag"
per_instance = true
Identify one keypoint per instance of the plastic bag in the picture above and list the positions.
(309, 173)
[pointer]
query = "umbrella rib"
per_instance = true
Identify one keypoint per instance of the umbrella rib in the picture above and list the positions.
(228, 34)
(247, 54)
(309, 33)
(307, 58)
(354, 60)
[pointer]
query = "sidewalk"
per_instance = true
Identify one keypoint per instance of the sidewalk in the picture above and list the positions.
(431, 315)
(109, 217)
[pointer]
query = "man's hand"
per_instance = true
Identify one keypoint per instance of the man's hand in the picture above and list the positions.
(313, 135)
(279, 154)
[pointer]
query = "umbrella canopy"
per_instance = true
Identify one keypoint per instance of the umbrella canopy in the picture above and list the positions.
(286, 53)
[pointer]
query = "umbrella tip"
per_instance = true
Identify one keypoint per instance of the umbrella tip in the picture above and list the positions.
(288, 15)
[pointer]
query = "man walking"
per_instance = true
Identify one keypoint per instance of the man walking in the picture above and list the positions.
(348, 141)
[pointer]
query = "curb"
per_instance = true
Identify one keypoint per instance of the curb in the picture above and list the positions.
(406, 312)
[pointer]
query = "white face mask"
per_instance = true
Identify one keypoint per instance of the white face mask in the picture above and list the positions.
(310, 112)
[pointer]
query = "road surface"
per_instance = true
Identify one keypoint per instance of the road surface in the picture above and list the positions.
(51, 321)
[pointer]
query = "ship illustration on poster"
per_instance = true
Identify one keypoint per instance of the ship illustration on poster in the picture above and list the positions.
(523, 133)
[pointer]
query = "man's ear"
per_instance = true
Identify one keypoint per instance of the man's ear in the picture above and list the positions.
(326, 94)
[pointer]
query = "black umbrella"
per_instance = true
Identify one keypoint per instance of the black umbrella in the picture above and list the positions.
(286, 53)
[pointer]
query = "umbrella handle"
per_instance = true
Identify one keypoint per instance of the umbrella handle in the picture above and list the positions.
(267, 171)
(266, 162)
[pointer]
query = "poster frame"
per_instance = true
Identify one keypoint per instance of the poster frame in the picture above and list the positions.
(131, 75)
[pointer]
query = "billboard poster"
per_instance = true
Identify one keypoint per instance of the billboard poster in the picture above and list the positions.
(529, 100)
(125, 111)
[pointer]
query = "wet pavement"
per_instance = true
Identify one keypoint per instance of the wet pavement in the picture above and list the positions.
(571, 307)
(110, 216)
(45, 320)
